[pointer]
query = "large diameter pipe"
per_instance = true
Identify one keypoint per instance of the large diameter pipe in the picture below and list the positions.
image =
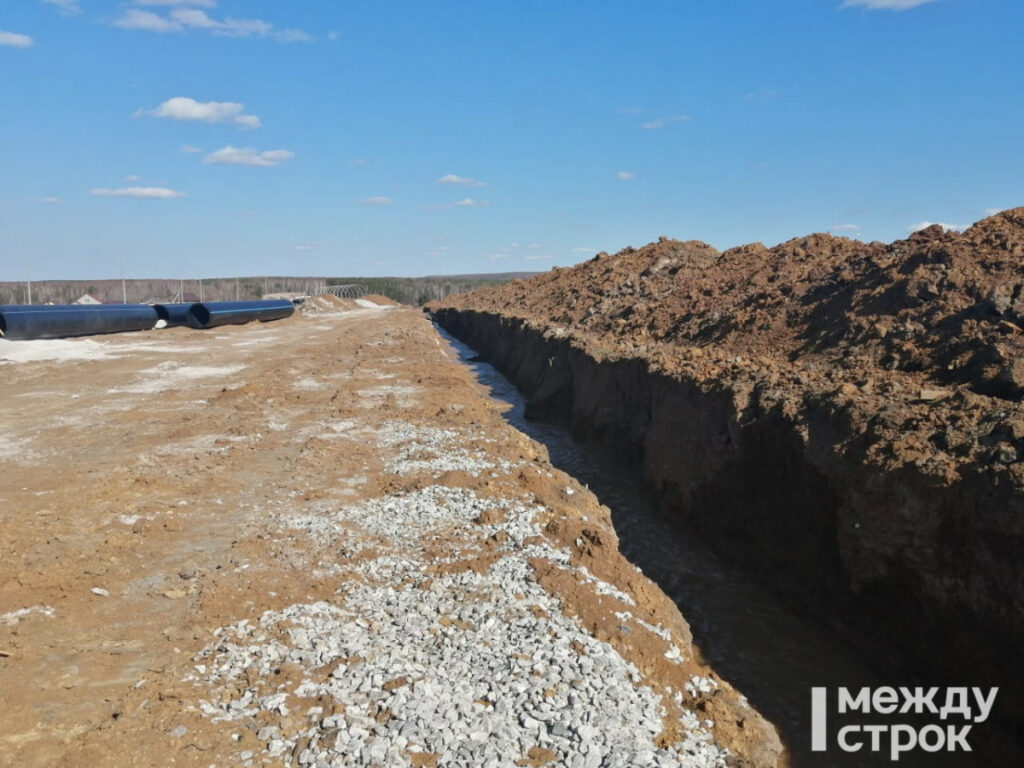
(173, 314)
(44, 321)
(211, 314)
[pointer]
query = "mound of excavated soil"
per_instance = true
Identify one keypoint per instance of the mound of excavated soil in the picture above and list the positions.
(381, 301)
(326, 304)
(844, 418)
(922, 337)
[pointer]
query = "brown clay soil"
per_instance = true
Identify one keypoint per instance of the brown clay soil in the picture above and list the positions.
(920, 340)
(842, 418)
(148, 481)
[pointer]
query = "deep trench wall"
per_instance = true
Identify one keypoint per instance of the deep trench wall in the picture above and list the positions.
(925, 575)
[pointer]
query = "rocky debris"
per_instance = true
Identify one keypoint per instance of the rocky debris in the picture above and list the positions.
(497, 682)
(434, 449)
(11, 618)
(425, 654)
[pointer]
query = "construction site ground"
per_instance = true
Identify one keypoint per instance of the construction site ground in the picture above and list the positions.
(316, 542)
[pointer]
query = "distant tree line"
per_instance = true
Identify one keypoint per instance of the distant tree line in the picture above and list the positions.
(407, 290)
(157, 290)
(420, 290)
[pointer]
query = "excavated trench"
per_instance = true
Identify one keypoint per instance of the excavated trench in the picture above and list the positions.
(774, 615)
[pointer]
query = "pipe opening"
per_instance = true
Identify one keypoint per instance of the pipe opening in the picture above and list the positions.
(200, 313)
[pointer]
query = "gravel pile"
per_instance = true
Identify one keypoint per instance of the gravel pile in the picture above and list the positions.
(411, 665)
(414, 448)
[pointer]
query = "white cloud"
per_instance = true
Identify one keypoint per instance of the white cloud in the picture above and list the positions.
(377, 200)
(193, 17)
(147, 193)
(67, 6)
(994, 211)
(884, 5)
(184, 108)
(625, 176)
(497, 256)
(180, 19)
(537, 258)
(946, 227)
(470, 203)
(304, 247)
(248, 156)
(292, 36)
(451, 178)
(662, 122)
(49, 200)
(15, 40)
(846, 228)
(132, 177)
(333, 35)
(188, 149)
(631, 111)
(147, 20)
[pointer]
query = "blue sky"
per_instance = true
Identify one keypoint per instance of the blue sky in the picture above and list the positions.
(244, 137)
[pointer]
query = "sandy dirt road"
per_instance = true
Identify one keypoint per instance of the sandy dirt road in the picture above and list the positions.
(213, 547)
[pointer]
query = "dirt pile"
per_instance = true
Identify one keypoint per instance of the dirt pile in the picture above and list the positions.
(935, 319)
(842, 417)
(381, 301)
(326, 304)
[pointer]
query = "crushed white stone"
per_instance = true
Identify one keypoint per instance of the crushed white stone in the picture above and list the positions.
(462, 665)
(470, 689)
(13, 617)
(413, 448)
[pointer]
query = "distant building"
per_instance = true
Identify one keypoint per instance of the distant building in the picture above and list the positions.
(87, 298)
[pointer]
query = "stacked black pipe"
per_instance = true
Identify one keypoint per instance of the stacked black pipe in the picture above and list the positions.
(210, 314)
(44, 321)
(35, 321)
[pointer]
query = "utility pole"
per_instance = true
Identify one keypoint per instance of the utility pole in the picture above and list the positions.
(265, 291)
(237, 295)
(201, 289)
(28, 278)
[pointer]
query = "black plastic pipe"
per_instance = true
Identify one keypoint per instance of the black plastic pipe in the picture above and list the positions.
(43, 321)
(211, 314)
(173, 314)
